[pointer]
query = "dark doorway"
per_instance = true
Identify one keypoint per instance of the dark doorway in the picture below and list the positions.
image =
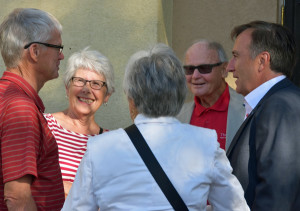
(292, 21)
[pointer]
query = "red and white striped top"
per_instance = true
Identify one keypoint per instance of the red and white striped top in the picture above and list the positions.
(71, 147)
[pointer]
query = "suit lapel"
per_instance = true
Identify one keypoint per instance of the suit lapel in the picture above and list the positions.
(186, 112)
(238, 133)
(280, 85)
(235, 115)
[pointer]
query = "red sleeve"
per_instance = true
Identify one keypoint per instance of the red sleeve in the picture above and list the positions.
(20, 139)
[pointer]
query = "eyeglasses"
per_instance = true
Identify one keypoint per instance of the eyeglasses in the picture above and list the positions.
(95, 84)
(60, 47)
(203, 68)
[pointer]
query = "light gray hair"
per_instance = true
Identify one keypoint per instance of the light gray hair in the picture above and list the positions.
(155, 81)
(214, 46)
(22, 26)
(90, 60)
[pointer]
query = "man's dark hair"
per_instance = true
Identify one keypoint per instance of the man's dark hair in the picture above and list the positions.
(277, 40)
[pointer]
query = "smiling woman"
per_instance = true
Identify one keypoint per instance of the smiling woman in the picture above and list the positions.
(89, 82)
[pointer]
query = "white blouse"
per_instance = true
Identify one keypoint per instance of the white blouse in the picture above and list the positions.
(112, 176)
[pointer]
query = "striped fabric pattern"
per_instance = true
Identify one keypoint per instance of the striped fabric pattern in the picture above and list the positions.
(27, 144)
(71, 147)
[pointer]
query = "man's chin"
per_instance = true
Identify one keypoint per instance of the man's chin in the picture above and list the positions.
(55, 76)
(240, 91)
(198, 93)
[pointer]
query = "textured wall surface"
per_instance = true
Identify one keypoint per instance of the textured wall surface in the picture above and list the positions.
(214, 20)
(116, 28)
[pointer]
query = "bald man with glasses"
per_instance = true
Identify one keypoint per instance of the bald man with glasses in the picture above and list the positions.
(216, 105)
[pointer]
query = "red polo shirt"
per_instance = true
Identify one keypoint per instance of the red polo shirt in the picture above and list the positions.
(27, 144)
(214, 117)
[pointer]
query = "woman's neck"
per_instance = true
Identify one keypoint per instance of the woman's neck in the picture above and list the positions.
(77, 123)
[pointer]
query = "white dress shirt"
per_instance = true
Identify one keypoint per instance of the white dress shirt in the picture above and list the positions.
(112, 176)
(253, 98)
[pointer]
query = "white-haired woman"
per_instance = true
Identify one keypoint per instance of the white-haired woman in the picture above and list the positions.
(89, 82)
(112, 175)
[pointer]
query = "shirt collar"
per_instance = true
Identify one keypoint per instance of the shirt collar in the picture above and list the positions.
(220, 105)
(142, 119)
(253, 98)
(26, 87)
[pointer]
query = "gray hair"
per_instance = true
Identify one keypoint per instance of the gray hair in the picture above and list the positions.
(155, 81)
(22, 26)
(90, 60)
(214, 46)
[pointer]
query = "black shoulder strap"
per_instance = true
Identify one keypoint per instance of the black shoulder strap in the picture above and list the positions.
(155, 169)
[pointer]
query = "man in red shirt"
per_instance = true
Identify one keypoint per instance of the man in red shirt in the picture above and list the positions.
(216, 105)
(30, 177)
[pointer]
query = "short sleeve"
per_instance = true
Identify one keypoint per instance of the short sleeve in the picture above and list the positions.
(20, 139)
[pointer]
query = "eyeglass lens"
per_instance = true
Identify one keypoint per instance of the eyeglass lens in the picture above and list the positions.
(203, 69)
(95, 84)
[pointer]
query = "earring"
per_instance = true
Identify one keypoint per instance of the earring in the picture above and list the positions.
(105, 104)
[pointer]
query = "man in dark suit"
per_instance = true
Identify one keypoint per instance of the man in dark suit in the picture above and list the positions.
(265, 151)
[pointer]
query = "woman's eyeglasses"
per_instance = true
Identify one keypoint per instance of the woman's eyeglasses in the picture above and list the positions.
(95, 84)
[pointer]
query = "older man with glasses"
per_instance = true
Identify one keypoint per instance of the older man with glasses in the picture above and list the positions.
(30, 176)
(216, 105)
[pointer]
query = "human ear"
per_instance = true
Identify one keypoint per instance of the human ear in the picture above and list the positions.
(224, 70)
(106, 98)
(34, 51)
(264, 60)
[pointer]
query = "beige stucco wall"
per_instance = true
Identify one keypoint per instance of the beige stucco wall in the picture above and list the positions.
(118, 28)
(214, 20)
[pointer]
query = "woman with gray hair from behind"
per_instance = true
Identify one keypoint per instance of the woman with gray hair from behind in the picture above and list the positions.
(113, 176)
(89, 84)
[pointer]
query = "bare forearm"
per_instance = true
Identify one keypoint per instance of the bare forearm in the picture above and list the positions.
(15, 204)
(67, 187)
(17, 194)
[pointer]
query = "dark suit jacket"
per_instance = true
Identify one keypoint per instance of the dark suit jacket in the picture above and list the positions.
(265, 152)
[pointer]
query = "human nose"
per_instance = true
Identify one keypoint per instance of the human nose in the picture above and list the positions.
(230, 66)
(196, 73)
(86, 86)
(61, 56)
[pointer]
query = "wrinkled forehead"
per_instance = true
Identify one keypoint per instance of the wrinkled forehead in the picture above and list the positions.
(55, 37)
(201, 54)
